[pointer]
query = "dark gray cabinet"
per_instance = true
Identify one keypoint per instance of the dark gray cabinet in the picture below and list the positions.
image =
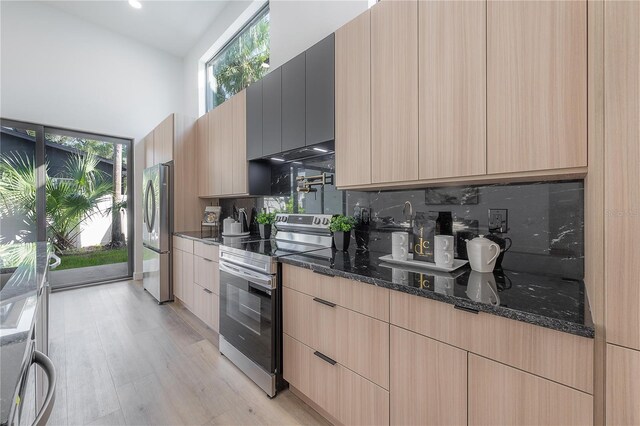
(293, 103)
(320, 88)
(272, 113)
(254, 120)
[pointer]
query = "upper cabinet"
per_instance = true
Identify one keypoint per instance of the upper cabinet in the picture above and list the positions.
(272, 113)
(239, 142)
(163, 140)
(394, 91)
(149, 148)
(320, 100)
(536, 85)
(293, 103)
(353, 102)
(202, 154)
(452, 88)
(254, 120)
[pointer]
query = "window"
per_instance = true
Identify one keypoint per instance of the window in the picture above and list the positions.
(243, 60)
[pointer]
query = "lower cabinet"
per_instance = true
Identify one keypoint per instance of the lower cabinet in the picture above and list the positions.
(623, 386)
(346, 396)
(428, 381)
(503, 395)
(206, 306)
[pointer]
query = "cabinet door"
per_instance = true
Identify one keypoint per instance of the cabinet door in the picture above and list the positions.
(502, 395)
(536, 85)
(213, 183)
(239, 144)
(293, 103)
(622, 171)
(429, 381)
(452, 87)
(623, 386)
(272, 112)
(254, 120)
(224, 148)
(163, 140)
(394, 94)
(178, 269)
(206, 274)
(149, 149)
(187, 279)
(202, 155)
(320, 83)
(353, 102)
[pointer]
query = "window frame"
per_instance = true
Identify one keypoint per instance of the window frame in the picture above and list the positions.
(208, 95)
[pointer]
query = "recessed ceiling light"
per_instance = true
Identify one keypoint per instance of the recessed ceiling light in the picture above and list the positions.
(277, 159)
(135, 4)
(321, 149)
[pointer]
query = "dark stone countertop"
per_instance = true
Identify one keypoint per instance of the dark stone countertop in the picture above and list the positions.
(546, 301)
(19, 299)
(207, 237)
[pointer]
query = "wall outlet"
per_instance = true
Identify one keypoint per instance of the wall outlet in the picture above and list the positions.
(498, 220)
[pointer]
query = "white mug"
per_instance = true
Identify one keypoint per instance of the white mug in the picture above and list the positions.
(399, 276)
(444, 258)
(443, 242)
(236, 228)
(399, 245)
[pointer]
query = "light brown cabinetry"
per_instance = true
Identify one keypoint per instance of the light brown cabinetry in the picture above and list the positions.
(536, 85)
(163, 136)
(623, 386)
(622, 172)
(353, 102)
(428, 381)
(452, 88)
(502, 395)
(149, 147)
(221, 146)
(394, 94)
(178, 267)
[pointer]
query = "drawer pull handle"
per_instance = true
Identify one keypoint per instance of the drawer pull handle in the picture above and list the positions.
(324, 357)
(464, 308)
(207, 291)
(322, 273)
(208, 260)
(324, 302)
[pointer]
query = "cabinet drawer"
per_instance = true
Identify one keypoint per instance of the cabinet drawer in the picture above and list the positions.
(345, 395)
(206, 274)
(207, 251)
(360, 297)
(559, 356)
(206, 306)
(502, 395)
(184, 244)
(358, 342)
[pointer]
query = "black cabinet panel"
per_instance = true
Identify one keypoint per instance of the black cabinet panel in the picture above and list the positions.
(293, 103)
(320, 96)
(254, 120)
(272, 112)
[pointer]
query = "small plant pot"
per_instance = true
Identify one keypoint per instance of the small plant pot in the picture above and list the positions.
(265, 231)
(341, 240)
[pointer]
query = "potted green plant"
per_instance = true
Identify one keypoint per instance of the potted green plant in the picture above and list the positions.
(341, 227)
(265, 220)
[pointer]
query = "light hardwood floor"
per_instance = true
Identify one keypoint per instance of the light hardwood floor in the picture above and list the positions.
(123, 359)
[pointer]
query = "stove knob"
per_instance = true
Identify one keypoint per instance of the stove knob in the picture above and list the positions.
(325, 221)
(316, 221)
(285, 218)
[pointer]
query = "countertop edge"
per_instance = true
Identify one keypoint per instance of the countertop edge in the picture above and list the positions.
(539, 320)
(183, 234)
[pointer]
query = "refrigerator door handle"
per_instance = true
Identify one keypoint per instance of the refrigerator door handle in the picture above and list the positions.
(45, 412)
(149, 192)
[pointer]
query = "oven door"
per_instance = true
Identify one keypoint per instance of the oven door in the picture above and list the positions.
(247, 310)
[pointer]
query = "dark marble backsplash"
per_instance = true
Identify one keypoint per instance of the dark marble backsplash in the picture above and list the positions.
(545, 219)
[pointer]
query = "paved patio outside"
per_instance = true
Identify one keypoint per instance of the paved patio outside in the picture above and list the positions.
(90, 274)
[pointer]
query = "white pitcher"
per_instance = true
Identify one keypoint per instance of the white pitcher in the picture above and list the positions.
(482, 254)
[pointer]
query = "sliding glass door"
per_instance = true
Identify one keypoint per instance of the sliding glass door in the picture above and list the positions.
(83, 186)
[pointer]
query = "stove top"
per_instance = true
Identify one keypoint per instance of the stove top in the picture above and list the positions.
(271, 248)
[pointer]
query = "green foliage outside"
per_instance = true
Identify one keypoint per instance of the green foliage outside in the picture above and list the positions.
(241, 63)
(81, 259)
(264, 218)
(342, 223)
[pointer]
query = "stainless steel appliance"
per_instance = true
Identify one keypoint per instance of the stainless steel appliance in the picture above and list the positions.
(251, 299)
(157, 217)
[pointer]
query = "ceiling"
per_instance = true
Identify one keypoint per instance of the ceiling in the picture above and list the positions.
(172, 26)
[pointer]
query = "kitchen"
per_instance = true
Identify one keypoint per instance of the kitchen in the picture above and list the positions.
(414, 212)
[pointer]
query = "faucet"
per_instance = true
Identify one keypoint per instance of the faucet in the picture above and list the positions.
(404, 210)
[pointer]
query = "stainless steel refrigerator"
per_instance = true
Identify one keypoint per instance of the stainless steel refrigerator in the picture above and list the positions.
(157, 217)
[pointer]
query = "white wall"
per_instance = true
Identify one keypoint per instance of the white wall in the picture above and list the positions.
(298, 25)
(59, 70)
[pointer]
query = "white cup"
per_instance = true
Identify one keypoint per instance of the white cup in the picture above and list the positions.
(399, 276)
(444, 258)
(399, 245)
(443, 242)
(236, 228)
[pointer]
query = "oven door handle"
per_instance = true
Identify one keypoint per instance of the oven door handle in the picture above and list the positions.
(45, 412)
(268, 283)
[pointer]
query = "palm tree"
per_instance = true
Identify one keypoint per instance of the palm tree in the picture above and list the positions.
(71, 197)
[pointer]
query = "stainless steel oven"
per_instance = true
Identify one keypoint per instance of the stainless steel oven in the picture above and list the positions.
(250, 315)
